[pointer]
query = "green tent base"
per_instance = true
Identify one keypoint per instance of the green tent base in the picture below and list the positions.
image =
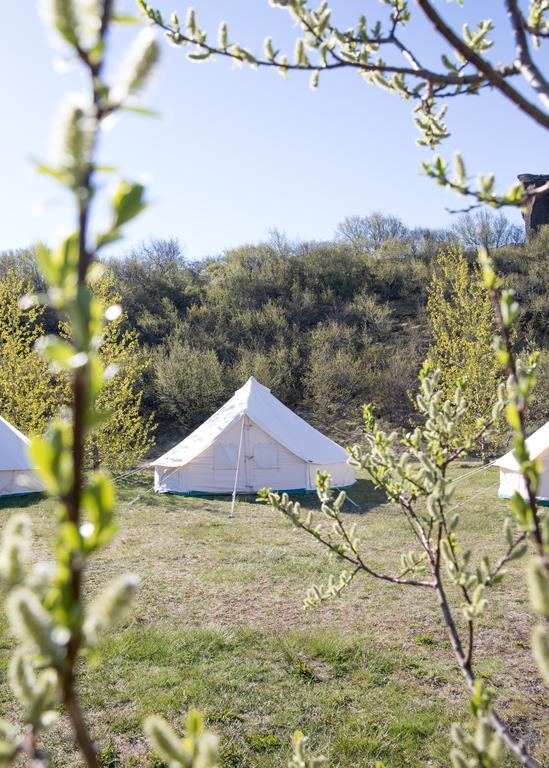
(541, 502)
(198, 494)
(19, 493)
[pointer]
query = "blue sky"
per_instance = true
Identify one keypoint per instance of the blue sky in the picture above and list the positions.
(236, 153)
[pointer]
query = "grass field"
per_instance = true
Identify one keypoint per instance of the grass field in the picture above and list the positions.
(219, 625)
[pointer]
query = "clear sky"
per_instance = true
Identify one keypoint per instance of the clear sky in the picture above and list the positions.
(236, 153)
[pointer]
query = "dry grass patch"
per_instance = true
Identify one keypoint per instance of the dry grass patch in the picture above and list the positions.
(219, 625)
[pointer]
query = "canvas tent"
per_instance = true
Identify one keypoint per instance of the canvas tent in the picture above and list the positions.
(510, 478)
(251, 442)
(16, 474)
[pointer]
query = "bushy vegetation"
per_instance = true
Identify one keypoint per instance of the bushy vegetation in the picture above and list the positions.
(33, 391)
(463, 327)
(326, 325)
(27, 386)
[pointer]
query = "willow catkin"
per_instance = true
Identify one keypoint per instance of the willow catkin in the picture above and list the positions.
(108, 606)
(137, 66)
(31, 623)
(73, 135)
(14, 549)
(166, 742)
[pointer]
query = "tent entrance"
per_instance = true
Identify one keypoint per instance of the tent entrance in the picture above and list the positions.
(269, 464)
(259, 461)
(254, 456)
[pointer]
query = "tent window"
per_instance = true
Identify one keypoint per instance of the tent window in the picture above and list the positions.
(266, 456)
(225, 456)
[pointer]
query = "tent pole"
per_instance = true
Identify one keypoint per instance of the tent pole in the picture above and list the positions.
(348, 498)
(231, 513)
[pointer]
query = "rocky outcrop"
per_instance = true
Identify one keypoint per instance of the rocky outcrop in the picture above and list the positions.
(537, 209)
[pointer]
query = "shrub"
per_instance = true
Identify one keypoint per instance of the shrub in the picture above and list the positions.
(190, 383)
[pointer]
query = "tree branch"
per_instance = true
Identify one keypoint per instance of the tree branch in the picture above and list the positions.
(528, 68)
(508, 555)
(357, 561)
(514, 746)
(490, 73)
(80, 383)
(414, 70)
(513, 375)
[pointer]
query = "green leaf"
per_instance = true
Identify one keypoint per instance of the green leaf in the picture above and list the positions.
(45, 454)
(513, 416)
(121, 19)
(538, 585)
(104, 238)
(59, 266)
(540, 650)
(519, 552)
(141, 111)
(69, 537)
(98, 500)
(521, 508)
(199, 56)
(56, 351)
(55, 173)
(128, 202)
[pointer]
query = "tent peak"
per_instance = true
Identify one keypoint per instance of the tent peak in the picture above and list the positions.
(252, 383)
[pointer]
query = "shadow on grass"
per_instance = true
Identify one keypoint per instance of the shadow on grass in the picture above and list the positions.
(361, 498)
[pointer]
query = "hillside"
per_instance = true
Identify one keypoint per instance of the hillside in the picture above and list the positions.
(327, 326)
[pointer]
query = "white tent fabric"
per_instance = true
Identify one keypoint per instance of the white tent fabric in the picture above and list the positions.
(16, 474)
(253, 441)
(510, 478)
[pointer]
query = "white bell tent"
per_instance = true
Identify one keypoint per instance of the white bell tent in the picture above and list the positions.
(510, 478)
(16, 473)
(251, 442)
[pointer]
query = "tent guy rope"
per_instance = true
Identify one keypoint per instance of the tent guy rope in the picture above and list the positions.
(474, 496)
(473, 472)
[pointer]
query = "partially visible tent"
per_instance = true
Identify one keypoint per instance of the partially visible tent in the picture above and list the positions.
(16, 473)
(251, 442)
(510, 478)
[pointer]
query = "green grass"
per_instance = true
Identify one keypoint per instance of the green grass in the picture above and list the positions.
(219, 625)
